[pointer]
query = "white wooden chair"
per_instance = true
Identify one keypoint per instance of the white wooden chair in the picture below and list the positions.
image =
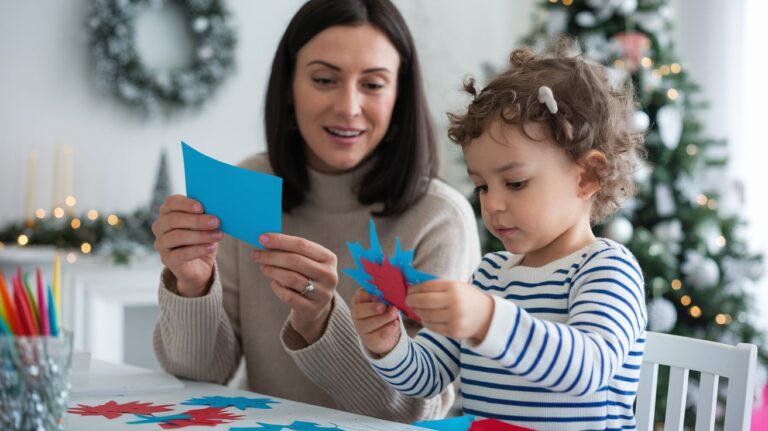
(713, 360)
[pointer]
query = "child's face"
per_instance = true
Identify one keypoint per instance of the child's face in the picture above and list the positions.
(529, 192)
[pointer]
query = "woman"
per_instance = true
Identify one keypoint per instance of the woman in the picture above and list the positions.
(349, 132)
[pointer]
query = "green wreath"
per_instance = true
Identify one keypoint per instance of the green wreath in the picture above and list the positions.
(119, 68)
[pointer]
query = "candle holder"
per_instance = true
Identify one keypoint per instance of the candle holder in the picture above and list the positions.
(34, 381)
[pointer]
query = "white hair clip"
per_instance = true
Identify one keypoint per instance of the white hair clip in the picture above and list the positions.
(546, 97)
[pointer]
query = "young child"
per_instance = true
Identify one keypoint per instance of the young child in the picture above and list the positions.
(550, 334)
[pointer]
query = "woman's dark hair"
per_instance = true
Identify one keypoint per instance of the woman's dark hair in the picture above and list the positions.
(405, 161)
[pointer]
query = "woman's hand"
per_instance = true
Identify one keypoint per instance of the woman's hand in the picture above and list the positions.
(291, 262)
(187, 240)
(376, 323)
(451, 308)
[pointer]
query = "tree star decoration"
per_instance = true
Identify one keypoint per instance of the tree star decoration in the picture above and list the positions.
(240, 403)
(386, 278)
(112, 409)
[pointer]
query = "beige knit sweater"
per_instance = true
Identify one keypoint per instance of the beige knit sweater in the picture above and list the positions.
(204, 338)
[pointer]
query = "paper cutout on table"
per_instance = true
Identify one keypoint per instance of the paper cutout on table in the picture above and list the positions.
(461, 423)
(113, 410)
(387, 278)
(210, 416)
(247, 203)
(240, 403)
(295, 426)
(495, 425)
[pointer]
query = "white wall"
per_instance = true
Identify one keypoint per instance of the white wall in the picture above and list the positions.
(48, 96)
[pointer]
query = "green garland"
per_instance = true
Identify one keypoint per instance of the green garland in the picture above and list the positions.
(120, 69)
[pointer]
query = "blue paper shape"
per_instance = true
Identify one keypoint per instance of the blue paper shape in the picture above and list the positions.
(460, 423)
(247, 203)
(240, 403)
(295, 426)
(403, 260)
(147, 419)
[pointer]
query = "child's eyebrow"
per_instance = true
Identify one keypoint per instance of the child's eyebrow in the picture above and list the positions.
(500, 169)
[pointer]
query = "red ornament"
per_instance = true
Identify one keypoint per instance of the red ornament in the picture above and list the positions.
(633, 47)
(112, 409)
(391, 283)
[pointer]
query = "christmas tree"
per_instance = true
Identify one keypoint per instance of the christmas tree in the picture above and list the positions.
(684, 225)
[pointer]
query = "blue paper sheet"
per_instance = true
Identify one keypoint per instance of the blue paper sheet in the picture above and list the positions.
(460, 423)
(247, 203)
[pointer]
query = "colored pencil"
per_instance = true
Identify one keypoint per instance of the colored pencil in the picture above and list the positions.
(52, 314)
(31, 299)
(25, 312)
(12, 313)
(45, 329)
(57, 283)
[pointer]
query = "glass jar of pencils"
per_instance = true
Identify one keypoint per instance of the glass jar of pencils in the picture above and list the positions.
(34, 381)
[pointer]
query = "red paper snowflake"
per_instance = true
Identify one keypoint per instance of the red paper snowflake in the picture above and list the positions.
(210, 416)
(390, 280)
(112, 409)
(495, 425)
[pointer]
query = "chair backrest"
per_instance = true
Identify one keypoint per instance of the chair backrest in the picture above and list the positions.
(713, 360)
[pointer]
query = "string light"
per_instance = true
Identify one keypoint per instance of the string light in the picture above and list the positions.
(685, 300)
(691, 149)
(702, 199)
(58, 212)
(695, 311)
(22, 240)
(720, 319)
(567, 2)
(675, 68)
(721, 241)
(93, 215)
(75, 223)
(664, 69)
(71, 258)
(85, 248)
(112, 219)
(712, 204)
(646, 62)
(676, 284)
(40, 213)
(672, 94)
(656, 74)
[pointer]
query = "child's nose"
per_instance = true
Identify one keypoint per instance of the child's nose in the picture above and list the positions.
(494, 201)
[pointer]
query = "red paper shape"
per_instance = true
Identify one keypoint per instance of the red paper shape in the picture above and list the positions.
(495, 425)
(210, 416)
(391, 283)
(112, 409)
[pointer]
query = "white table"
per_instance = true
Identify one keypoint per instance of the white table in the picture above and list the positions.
(122, 383)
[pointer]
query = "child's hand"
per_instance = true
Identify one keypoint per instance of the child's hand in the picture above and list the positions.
(452, 308)
(377, 324)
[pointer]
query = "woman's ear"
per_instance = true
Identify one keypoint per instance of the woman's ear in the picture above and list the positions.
(591, 164)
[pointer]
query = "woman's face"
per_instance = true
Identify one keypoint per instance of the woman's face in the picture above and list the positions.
(344, 90)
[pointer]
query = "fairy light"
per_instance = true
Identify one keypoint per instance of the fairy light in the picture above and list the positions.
(676, 284)
(85, 248)
(58, 212)
(70, 201)
(71, 258)
(712, 204)
(692, 149)
(75, 223)
(656, 74)
(672, 94)
(664, 69)
(695, 311)
(721, 241)
(567, 2)
(112, 220)
(40, 213)
(702, 199)
(685, 300)
(646, 62)
(22, 240)
(720, 319)
(675, 68)
(93, 215)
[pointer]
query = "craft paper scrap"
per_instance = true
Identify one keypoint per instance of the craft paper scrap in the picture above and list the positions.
(241, 403)
(495, 425)
(387, 278)
(461, 423)
(200, 417)
(112, 409)
(247, 203)
(295, 426)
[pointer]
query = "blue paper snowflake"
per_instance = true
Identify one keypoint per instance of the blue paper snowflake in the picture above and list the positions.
(403, 260)
(295, 426)
(241, 403)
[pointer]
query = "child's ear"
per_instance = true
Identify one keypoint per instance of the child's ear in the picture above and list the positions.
(591, 164)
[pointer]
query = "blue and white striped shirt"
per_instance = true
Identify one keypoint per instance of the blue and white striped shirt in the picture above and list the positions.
(563, 350)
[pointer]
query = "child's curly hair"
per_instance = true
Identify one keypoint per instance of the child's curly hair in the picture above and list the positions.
(591, 115)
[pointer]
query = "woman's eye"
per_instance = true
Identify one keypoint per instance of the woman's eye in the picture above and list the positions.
(516, 185)
(373, 86)
(322, 81)
(480, 189)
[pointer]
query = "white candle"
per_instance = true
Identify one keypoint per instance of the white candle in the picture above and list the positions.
(30, 198)
(55, 196)
(68, 178)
